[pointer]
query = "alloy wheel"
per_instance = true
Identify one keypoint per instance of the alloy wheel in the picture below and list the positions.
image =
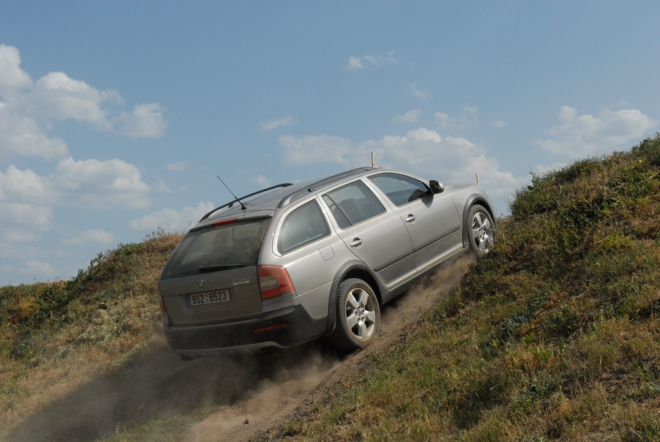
(482, 232)
(360, 314)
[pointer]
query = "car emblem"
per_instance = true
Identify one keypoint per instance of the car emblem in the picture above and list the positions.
(200, 282)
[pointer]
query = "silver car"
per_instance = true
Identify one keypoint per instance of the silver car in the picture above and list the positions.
(296, 262)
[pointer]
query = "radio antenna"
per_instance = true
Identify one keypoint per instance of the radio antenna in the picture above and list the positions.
(232, 194)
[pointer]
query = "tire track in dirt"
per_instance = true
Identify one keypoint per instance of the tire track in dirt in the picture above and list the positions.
(320, 368)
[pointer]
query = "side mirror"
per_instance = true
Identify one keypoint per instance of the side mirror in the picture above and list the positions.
(436, 187)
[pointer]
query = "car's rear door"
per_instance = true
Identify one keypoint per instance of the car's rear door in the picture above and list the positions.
(431, 219)
(373, 233)
(212, 275)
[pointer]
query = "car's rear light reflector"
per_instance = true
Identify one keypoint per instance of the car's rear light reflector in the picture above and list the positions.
(227, 221)
(161, 304)
(270, 327)
(274, 281)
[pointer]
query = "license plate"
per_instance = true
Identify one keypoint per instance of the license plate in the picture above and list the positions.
(209, 297)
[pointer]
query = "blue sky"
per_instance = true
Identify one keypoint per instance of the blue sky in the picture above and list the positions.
(115, 117)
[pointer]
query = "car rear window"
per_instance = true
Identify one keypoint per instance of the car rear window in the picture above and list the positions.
(217, 248)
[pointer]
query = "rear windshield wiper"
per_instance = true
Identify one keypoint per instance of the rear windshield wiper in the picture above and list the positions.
(221, 267)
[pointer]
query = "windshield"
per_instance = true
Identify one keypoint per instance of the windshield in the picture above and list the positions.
(217, 248)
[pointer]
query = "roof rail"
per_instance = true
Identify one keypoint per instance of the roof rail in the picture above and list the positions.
(231, 203)
(324, 182)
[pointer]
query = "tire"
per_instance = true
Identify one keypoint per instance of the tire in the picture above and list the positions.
(358, 316)
(481, 230)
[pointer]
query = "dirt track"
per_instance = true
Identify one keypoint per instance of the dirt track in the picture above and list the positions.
(256, 392)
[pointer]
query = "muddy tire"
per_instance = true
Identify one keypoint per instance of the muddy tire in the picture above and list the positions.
(358, 316)
(480, 230)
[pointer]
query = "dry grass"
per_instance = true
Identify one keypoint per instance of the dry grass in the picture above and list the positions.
(57, 336)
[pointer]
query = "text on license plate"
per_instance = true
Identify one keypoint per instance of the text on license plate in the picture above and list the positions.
(209, 297)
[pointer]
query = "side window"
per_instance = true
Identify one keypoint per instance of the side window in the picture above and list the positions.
(302, 226)
(400, 189)
(352, 204)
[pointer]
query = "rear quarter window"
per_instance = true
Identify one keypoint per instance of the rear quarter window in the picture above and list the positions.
(302, 226)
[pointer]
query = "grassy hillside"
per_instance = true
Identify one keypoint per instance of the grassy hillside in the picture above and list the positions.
(55, 336)
(553, 335)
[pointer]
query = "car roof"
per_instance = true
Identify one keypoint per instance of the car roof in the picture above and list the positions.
(282, 195)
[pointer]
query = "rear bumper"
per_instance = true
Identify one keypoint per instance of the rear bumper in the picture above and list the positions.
(240, 337)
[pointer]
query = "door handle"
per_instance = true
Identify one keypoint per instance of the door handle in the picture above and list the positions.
(411, 218)
(357, 242)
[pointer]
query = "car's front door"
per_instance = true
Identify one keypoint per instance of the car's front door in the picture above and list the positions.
(374, 234)
(431, 219)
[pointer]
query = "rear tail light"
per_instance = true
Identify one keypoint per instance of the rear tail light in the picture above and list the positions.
(274, 281)
(161, 304)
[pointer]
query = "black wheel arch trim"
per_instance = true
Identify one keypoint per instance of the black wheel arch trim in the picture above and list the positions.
(340, 276)
(470, 201)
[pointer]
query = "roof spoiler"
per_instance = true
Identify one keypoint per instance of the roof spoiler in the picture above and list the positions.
(231, 203)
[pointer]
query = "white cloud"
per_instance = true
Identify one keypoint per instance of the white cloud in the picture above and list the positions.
(25, 186)
(421, 94)
(315, 149)
(262, 181)
(28, 110)
(409, 117)
(25, 204)
(146, 121)
(22, 135)
(61, 98)
(172, 219)
(95, 236)
(23, 216)
(27, 199)
(178, 166)
(101, 184)
(354, 63)
(499, 123)
(274, 124)
(162, 186)
(11, 74)
(469, 119)
(37, 268)
(15, 235)
(577, 136)
(90, 183)
(371, 61)
(421, 151)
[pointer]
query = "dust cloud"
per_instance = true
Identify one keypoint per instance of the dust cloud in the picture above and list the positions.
(253, 391)
(157, 385)
(425, 294)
